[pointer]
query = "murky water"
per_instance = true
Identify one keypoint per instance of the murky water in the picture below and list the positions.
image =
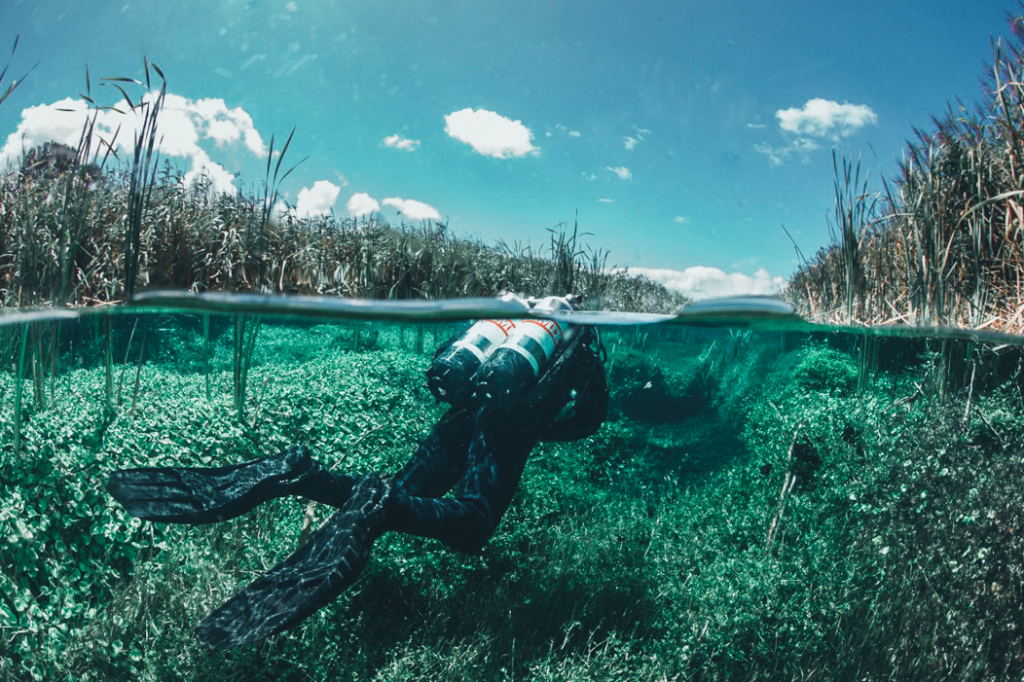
(766, 499)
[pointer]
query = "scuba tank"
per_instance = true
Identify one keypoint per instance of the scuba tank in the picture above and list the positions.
(449, 377)
(512, 368)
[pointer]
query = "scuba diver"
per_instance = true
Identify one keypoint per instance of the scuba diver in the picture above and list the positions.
(510, 384)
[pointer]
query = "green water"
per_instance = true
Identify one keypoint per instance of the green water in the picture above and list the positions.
(767, 500)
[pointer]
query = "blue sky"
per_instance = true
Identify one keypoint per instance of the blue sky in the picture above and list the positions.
(684, 133)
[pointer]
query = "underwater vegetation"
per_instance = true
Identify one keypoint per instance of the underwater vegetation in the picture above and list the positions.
(760, 505)
(943, 242)
(789, 521)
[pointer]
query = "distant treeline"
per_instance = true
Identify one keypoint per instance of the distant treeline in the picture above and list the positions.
(66, 231)
(943, 243)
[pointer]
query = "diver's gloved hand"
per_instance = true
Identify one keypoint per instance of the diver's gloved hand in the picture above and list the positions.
(307, 580)
(194, 496)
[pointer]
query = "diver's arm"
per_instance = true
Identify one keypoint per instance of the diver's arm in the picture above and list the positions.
(588, 413)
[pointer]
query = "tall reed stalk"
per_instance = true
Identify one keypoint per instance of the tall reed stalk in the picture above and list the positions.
(206, 354)
(3, 74)
(143, 171)
(18, 381)
(245, 342)
(853, 211)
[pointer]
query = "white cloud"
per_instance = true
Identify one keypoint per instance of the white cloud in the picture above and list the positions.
(565, 129)
(489, 133)
(412, 209)
(187, 129)
(396, 141)
(778, 155)
(701, 282)
(360, 204)
(589, 177)
(818, 118)
(623, 172)
(681, 219)
(606, 201)
(826, 118)
(279, 210)
(756, 126)
(631, 141)
(221, 181)
(61, 121)
(317, 200)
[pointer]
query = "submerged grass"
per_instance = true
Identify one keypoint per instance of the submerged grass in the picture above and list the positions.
(656, 549)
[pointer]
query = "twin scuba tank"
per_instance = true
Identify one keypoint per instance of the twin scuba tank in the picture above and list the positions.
(497, 362)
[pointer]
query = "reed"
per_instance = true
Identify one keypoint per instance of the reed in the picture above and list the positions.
(943, 242)
(18, 381)
(124, 225)
(853, 211)
(138, 368)
(108, 369)
(3, 74)
(246, 333)
(206, 355)
(193, 240)
(143, 171)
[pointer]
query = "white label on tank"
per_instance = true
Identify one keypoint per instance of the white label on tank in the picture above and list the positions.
(485, 336)
(535, 340)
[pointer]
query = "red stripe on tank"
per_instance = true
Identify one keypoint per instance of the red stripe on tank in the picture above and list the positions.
(541, 324)
(504, 325)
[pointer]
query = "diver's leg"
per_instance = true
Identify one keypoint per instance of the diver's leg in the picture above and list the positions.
(308, 579)
(497, 457)
(440, 460)
(187, 495)
(433, 470)
(326, 487)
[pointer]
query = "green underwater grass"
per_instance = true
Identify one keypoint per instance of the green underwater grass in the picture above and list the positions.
(639, 553)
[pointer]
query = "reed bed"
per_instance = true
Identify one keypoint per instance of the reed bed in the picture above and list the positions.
(80, 227)
(71, 252)
(67, 233)
(942, 243)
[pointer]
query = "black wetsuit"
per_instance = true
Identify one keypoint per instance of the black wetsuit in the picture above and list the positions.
(477, 449)
(481, 453)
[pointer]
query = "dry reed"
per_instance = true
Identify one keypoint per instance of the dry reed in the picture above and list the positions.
(943, 243)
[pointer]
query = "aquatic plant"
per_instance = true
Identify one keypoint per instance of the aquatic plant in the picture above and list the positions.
(141, 225)
(142, 176)
(942, 243)
(3, 73)
(245, 342)
(640, 553)
(825, 369)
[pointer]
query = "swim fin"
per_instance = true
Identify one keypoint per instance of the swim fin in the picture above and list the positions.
(195, 496)
(307, 580)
